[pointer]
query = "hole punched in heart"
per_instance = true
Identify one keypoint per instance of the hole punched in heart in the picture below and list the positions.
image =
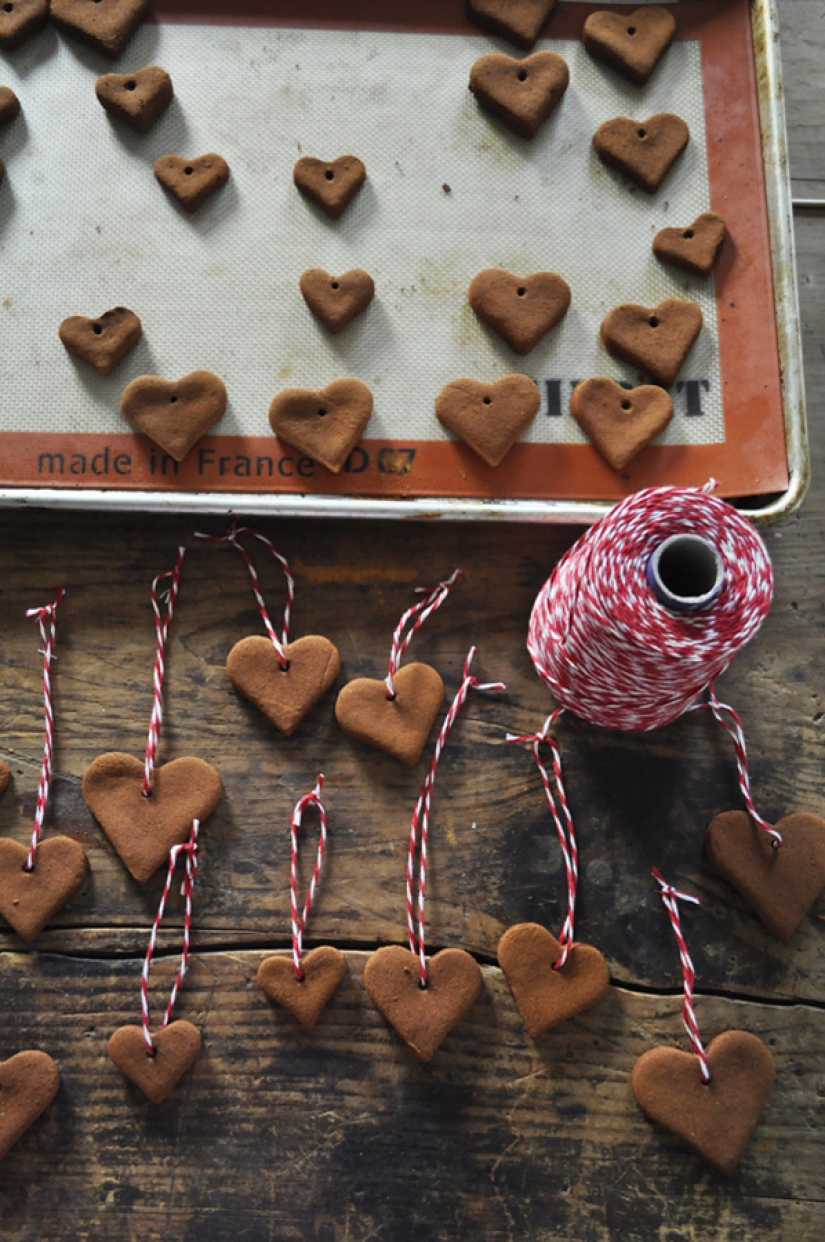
(488, 400)
(8, 8)
(688, 234)
(653, 321)
(522, 77)
(97, 329)
(188, 170)
(329, 174)
(131, 85)
(642, 133)
(333, 284)
(322, 412)
(521, 291)
(631, 30)
(626, 405)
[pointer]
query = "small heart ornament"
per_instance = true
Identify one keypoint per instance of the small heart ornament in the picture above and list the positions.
(9, 105)
(21, 19)
(29, 1082)
(527, 953)
(643, 151)
(136, 98)
(400, 725)
(656, 339)
(331, 184)
(423, 1017)
(632, 44)
(517, 20)
(192, 182)
(780, 885)
(489, 418)
(522, 92)
(174, 413)
(28, 899)
(695, 248)
(336, 300)
(522, 309)
(105, 25)
(177, 1047)
(5, 776)
(143, 830)
(620, 422)
(285, 696)
(102, 342)
(325, 425)
(717, 1118)
(323, 970)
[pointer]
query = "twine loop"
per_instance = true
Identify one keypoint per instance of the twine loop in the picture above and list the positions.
(671, 897)
(233, 537)
(415, 617)
(167, 596)
(47, 621)
(190, 851)
(299, 921)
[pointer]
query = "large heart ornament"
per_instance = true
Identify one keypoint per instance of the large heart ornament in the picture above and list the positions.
(326, 425)
(29, 1082)
(28, 899)
(620, 422)
(656, 339)
(332, 184)
(137, 98)
(423, 1017)
(284, 695)
(104, 341)
(336, 300)
(400, 725)
(522, 309)
(175, 414)
(193, 181)
(143, 830)
(522, 92)
(716, 1118)
(695, 248)
(177, 1047)
(632, 44)
(780, 885)
(489, 418)
(643, 151)
(105, 25)
(20, 19)
(527, 953)
(517, 20)
(306, 998)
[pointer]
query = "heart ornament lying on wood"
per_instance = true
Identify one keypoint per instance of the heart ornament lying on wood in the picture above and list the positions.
(644, 151)
(336, 300)
(105, 25)
(399, 725)
(137, 98)
(28, 899)
(332, 184)
(423, 1017)
(620, 422)
(632, 44)
(326, 425)
(489, 418)
(104, 341)
(323, 970)
(517, 20)
(656, 339)
(522, 92)
(695, 248)
(177, 1047)
(175, 414)
(284, 695)
(522, 309)
(192, 182)
(545, 995)
(29, 1082)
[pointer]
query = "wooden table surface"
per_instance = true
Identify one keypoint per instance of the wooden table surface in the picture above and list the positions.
(341, 1133)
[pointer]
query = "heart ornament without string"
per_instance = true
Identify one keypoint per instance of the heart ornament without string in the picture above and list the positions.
(105, 25)
(136, 98)
(192, 182)
(29, 1082)
(632, 44)
(695, 248)
(104, 341)
(522, 92)
(517, 20)
(326, 425)
(175, 414)
(656, 339)
(331, 184)
(489, 418)
(20, 19)
(620, 422)
(336, 300)
(522, 309)
(643, 151)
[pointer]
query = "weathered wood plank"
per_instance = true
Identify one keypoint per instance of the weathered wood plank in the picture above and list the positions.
(800, 23)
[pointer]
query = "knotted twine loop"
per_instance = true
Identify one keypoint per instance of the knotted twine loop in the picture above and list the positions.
(232, 536)
(420, 822)
(168, 596)
(190, 851)
(563, 821)
(299, 923)
(671, 898)
(47, 620)
(434, 597)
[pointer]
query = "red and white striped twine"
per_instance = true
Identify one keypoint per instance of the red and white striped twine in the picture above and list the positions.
(671, 898)
(190, 851)
(162, 623)
(299, 922)
(233, 536)
(434, 597)
(47, 620)
(420, 823)
(564, 823)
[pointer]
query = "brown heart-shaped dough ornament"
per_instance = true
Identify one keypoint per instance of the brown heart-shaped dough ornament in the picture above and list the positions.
(517, 20)
(656, 339)
(423, 1017)
(332, 184)
(326, 425)
(489, 418)
(695, 248)
(284, 695)
(633, 44)
(336, 300)
(29, 1082)
(20, 19)
(306, 998)
(104, 341)
(780, 885)
(715, 1118)
(400, 725)
(143, 830)
(5, 776)
(137, 98)
(522, 309)
(174, 413)
(28, 899)
(192, 182)
(522, 92)
(527, 953)
(620, 422)
(105, 25)
(9, 105)
(643, 151)
(177, 1046)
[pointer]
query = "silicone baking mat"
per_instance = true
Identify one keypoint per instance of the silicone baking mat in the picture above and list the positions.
(449, 191)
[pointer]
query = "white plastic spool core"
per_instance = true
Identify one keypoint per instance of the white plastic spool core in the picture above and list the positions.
(685, 573)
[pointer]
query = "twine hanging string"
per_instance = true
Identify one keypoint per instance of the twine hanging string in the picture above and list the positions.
(190, 851)
(420, 822)
(168, 596)
(415, 617)
(671, 898)
(47, 620)
(232, 536)
(562, 819)
(299, 922)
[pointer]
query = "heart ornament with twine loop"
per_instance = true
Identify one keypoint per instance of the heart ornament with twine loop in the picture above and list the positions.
(424, 998)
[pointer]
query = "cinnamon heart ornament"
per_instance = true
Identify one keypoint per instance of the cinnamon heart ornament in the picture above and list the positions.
(326, 425)
(323, 970)
(656, 339)
(192, 182)
(284, 695)
(517, 20)
(136, 98)
(20, 19)
(105, 25)
(423, 1017)
(717, 1118)
(780, 885)
(522, 92)
(633, 44)
(9, 105)
(28, 899)
(104, 341)
(489, 418)
(332, 184)
(177, 1047)
(620, 422)
(174, 413)
(143, 830)
(522, 309)
(399, 725)
(336, 300)
(644, 151)
(29, 1081)
(695, 248)
(546, 995)
(5, 776)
